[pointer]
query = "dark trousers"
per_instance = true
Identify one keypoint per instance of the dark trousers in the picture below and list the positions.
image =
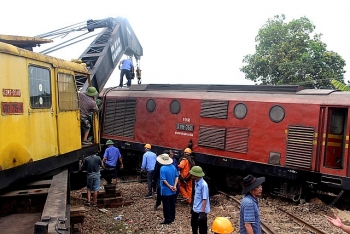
(128, 77)
(169, 208)
(159, 198)
(198, 224)
(149, 182)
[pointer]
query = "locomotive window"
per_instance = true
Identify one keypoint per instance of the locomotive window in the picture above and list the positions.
(277, 114)
(150, 105)
(240, 111)
(40, 87)
(67, 95)
(337, 123)
(175, 107)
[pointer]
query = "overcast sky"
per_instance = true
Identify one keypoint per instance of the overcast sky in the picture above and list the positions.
(193, 42)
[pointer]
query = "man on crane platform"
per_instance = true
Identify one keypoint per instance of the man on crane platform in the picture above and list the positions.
(127, 67)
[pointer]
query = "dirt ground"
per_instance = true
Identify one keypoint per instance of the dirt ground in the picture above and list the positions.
(140, 217)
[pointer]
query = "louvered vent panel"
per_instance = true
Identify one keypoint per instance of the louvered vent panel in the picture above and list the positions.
(212, 137)
(237, 140)
(120, 118)
(129, 120)
(214, 109)
(109, 117)
(299, 146)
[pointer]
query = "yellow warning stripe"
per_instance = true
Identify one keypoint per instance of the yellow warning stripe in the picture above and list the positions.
(333, 144)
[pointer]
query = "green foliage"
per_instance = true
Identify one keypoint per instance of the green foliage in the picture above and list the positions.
(286, 54)
(340, 86)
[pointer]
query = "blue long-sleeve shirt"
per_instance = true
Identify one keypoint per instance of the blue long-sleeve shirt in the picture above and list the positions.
(149, 160)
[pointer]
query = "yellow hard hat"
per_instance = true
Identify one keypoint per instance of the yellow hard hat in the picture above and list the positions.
(222, 225)
(148, 146)
(188, 151)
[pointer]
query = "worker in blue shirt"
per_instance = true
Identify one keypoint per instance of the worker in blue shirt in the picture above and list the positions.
(110, 159)
(149, 160)
(168, 182)
(126, 68)
(201, 204)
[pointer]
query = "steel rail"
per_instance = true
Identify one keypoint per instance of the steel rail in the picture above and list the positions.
(300, 221)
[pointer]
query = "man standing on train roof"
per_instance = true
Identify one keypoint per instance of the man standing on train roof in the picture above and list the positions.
(126, 68)
(148, 162)
(249, 212)
(110, 160)
(87, 106)
(92, 165)
(185, 164)
(201, 204)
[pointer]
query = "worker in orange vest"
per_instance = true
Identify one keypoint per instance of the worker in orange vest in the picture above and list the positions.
(185, 165)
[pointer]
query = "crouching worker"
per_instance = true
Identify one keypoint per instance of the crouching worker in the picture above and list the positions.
(201, 204)
(222, 225)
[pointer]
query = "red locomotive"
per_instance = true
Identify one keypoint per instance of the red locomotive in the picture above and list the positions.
(299, 137)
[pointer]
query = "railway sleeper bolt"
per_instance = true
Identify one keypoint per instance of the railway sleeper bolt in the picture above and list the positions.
(62, 220)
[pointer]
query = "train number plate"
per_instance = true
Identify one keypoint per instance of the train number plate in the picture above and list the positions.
(11, 92)
(184, 127)
(11, 108)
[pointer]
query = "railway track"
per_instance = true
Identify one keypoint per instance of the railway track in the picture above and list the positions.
(268, 229)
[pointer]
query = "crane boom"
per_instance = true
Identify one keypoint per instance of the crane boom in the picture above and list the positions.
(104, 53)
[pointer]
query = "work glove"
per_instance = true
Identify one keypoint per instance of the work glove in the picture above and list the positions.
(202, 216)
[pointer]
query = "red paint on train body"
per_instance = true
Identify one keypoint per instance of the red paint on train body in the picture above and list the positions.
(309, 133)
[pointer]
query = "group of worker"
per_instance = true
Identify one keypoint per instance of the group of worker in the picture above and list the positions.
(168, 178)
(150, 165)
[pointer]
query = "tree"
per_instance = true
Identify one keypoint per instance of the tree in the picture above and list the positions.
(340, 86)
(286, 54)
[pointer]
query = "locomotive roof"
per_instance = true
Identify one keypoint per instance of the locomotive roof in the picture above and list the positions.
(259, 93)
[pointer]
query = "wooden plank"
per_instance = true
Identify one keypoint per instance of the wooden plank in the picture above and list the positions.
(103, 194)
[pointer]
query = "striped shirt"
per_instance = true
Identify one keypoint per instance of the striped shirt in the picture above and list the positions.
(87, 105)
(249, 213)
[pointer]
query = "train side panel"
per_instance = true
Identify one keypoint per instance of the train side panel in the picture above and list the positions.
(31, 134)
(40, 117)
(301, 136)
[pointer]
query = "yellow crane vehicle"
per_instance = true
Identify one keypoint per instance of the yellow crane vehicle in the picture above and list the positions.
(40, 115)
